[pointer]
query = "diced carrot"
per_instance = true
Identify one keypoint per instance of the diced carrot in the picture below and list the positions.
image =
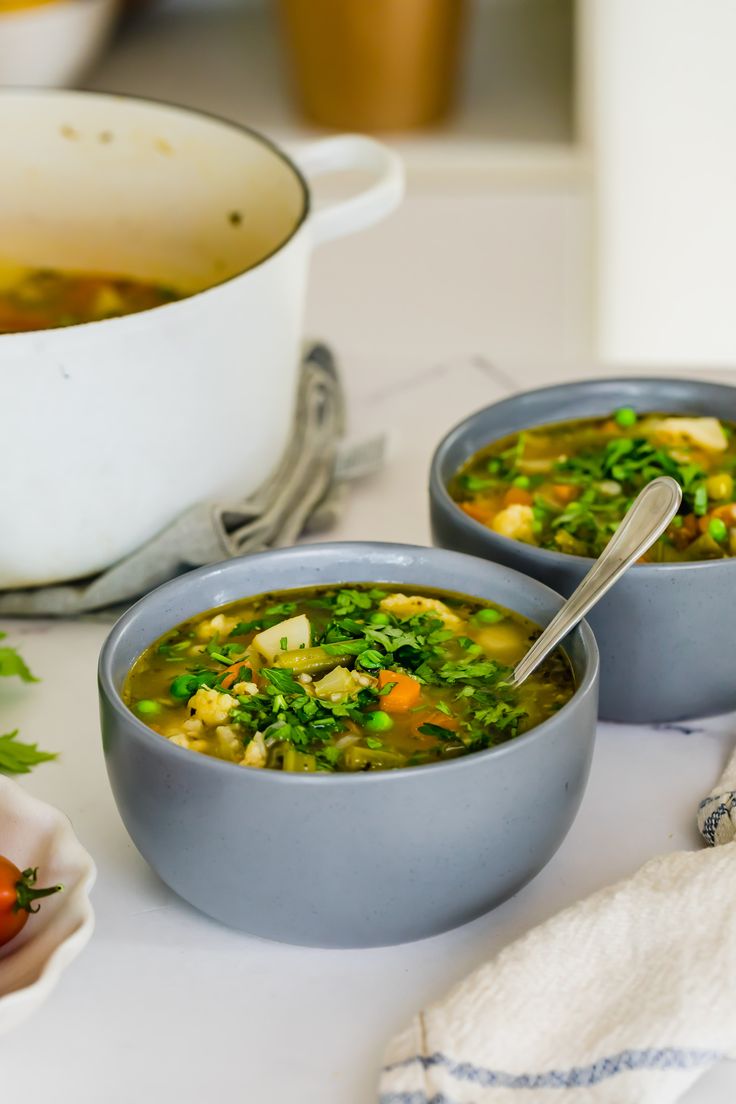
(479, 511)
(434, 717)
(565, 492)
(726, 513)
(403, 696)
(517, 496)
(231, 673)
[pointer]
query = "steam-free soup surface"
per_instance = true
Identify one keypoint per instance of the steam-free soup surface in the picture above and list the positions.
(43, 299)
(567, 486)
(349, 678)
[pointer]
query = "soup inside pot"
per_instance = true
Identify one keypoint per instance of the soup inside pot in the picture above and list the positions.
(345, 678)
(42, 299)
(567, 486)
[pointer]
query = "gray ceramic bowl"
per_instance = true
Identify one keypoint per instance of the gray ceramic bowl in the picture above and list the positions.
(665, 631)
(346, 860)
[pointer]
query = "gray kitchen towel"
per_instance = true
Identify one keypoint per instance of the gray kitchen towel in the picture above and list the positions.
(304, 495)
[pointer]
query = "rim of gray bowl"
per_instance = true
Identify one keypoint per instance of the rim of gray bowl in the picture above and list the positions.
(274, 777)
(438, 487)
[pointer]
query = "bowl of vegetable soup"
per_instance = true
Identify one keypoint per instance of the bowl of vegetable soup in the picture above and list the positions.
(320, 745)
(540, 481)
(153, 270)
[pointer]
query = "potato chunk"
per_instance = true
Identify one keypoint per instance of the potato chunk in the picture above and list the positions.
(516, 521)
(295, 630)
(219, 625)
(505, 642)
(340, 683)
(402, 605)
(704, 433)
(256, 754)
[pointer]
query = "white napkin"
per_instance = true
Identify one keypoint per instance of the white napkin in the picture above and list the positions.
(626, 997)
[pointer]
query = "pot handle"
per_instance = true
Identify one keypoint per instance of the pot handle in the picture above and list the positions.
(345, 152)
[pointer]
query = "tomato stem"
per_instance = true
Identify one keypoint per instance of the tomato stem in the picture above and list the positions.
(26, 892)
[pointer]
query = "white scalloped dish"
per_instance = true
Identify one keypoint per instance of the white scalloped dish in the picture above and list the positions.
(33, 833)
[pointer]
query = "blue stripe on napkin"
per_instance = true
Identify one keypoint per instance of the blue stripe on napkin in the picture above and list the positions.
(664, 1058)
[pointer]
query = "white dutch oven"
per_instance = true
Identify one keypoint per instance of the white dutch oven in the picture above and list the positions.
(108, 430)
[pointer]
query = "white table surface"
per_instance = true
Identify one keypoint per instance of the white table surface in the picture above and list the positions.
(473, 289)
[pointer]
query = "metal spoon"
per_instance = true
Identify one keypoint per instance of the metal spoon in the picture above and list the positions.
(646, 519)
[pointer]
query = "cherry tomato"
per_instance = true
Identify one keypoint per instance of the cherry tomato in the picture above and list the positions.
(18, 895)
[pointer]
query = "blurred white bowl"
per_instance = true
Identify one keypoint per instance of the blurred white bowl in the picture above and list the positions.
(54, 44)
(33, 833)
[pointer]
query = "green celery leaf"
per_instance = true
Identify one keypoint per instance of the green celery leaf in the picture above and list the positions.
(17, 757)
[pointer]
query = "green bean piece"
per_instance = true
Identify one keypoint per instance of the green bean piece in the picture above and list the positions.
(361, 758)
(704, 548)
(312, 661)
(295, 760)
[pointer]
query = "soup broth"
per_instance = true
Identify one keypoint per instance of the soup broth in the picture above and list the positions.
(349, 678)
(44, 299)
(566, 487)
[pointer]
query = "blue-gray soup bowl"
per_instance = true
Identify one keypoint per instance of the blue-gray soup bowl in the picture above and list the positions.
(665, 631)
(346, 860)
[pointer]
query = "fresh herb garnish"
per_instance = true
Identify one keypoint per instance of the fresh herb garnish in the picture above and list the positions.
(17, 757)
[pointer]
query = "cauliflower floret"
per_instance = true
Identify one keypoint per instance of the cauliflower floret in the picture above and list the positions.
(402, 605)
(219, 625)
(179, 739)
(210, 707)
(704, 433)
(515, 521)
(192, 727)
(245, 688)
(229, 742)
(255, 753)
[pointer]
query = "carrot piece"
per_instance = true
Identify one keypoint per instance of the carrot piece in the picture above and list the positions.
(435, 717)
(726, 513)
(231, 673)
(479, 511)
(565, 492)
(517, 496)
(403, 695)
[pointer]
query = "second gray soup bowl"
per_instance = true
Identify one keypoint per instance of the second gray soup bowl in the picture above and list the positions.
(346, 860)
(665, 631)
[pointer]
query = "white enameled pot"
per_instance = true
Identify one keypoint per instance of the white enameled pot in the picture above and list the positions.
(110, 429)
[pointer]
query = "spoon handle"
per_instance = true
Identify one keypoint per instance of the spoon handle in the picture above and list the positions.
(647, 518)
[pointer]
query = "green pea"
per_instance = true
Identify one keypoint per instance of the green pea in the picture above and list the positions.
(379, 721)
(147, 708)
(523, 482)
(487, 616)
(625, 417)
(717, 529)
(493, 467)
(182, 687)
(379, 618)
